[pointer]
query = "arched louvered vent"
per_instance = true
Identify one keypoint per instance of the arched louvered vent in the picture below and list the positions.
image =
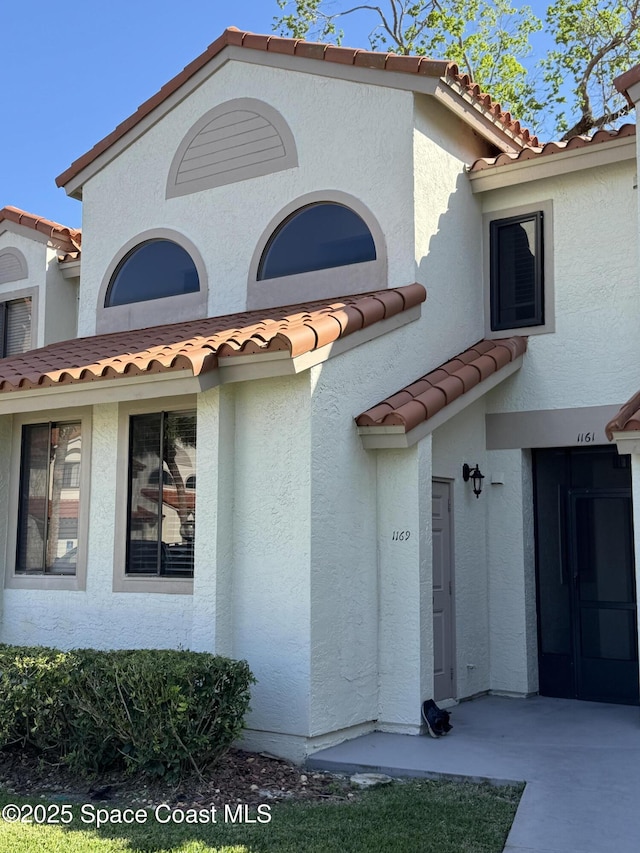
(237, 140)
(13, 266)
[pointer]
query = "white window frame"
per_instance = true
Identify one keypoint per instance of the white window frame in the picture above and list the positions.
(548, 288)
(49, 581)
(150, 583)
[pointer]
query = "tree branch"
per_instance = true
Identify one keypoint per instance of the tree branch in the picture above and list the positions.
(587, 122)
(460, 40)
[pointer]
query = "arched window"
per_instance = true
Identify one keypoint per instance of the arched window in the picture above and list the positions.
(318, 236)
(154, 269)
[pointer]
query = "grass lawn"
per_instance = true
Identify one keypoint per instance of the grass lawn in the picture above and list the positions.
(404, 817)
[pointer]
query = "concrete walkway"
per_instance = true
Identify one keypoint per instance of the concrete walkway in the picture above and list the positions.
(581, 762)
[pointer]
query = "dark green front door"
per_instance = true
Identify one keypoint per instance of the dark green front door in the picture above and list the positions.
(587, 627)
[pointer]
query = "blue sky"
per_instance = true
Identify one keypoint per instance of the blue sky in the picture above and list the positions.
(72, 73)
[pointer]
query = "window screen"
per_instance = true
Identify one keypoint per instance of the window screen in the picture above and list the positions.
(48, 507)
(15, 326)
(516, 272)
(316, 237)
(153, 270)
(161, 509)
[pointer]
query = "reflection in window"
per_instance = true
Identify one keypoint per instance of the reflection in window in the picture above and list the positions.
(161, 510)
(517, 297)
(153, 270)
(48, 503)
(15, 326)
(318, 236)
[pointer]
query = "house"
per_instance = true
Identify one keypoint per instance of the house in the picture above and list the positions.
(347, 374)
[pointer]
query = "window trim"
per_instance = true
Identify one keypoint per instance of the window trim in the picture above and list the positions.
(44, 581)
(547, 295)
(324, 283)
(152, 312)
(142, 583)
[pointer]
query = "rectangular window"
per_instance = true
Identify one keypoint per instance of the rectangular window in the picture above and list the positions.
(45, 513)
(15, 326)
(161, 509)
(71, 475)
(516, 272)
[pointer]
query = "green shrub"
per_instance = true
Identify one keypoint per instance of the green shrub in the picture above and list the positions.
(34, 692)
(155, 711)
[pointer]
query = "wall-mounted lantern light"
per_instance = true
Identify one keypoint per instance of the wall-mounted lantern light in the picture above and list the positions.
(475, 475)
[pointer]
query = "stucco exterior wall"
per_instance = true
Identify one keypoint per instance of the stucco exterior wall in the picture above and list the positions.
(344, 585)
(226, 223)
(405, 656)
(271, 548)
(251, 584)
(597, 298)
(448, 233)
(59, 303)
(511, 572)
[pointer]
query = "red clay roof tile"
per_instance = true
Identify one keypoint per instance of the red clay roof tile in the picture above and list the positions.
(198, 346)
(432, 400)
(550, 148)
(70, 238)
(627, 419)
(469, 376)
(625, 81)
(448, 71)
(442, 386)
(408, 415)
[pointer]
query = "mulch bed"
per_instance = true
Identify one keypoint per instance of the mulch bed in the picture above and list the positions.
(239, 777)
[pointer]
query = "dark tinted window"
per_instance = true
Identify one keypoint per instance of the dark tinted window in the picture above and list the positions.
(152, 270)
(516, 272)
(317, 237)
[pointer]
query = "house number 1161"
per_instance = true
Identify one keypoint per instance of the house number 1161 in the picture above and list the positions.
(400, 535)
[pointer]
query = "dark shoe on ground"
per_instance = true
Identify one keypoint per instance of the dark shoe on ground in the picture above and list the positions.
(436, 720)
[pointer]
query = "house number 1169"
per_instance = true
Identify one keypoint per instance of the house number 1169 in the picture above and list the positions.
(400, 535)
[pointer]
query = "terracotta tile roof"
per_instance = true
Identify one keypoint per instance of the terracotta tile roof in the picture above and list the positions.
(71, 238)
(69, 257)
(627, 419)
(534, 153)
(432, 392)
(625, 81)
(416, 65)
(198, 345)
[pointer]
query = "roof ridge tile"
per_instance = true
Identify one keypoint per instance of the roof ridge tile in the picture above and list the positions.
(233, 37)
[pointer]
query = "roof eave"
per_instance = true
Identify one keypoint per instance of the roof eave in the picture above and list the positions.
(627, 441)
(384, 437)
(71, 387)
(552, 165)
